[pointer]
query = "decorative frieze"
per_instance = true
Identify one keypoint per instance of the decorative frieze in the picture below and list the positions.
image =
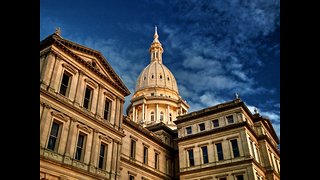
(53, 155)
(80, 165)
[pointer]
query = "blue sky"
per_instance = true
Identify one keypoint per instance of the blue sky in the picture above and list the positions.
(214, 48)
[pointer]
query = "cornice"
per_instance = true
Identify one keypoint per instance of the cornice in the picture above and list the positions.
(44, 92)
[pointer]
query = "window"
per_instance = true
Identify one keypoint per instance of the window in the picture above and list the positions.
(102, 155)
(239, 177)
(205, 154)
(235, 148)
(170, 117)
(219, 151)
(64, 87)
(189, 130)
(80, 147)
(191, 159)
(215, 123)
(160, 76)
(152, 76)
(156, 160)
(161, 116)
(106, 109)
(230, 119)
(131, 177)
(54, 134)
(152, 116)
(87, 98)
(133, 149)
(168, 79)
(223, 178)
(152, 94)
(145, 155)
(202, 127)
(144, 78)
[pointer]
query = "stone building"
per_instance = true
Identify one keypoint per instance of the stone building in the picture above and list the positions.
(84, 133)
(81, 111)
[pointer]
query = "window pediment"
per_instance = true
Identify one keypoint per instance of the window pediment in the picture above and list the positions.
(69, 68)
(84, 128)
(60, 115)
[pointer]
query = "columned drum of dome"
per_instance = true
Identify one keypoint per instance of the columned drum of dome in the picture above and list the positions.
(156, 98)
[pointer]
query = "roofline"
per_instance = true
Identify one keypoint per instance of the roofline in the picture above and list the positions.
(211, 110)
(54, 38)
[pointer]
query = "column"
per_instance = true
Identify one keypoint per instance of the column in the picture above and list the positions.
(70, 140)
(146, 113)
(118, 160)
(114, 159)
(156, 114)
(78, 94)
(44, 125)
(167, 114)
(134, 113)
(47, 70)
(100, 103)
(53, 86)
(121, 112)
(94, 150)
(115, 121)
(143, 112)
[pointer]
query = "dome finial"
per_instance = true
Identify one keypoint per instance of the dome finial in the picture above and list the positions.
(156, 36)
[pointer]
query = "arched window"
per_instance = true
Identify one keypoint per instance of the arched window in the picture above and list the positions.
(160, 76)
(170, 117)
(161, 116)
(152, 77)
(152, 116)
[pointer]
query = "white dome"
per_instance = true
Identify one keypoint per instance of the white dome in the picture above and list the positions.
(156, 74)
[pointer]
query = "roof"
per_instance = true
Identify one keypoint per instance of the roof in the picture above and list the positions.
(69, 46)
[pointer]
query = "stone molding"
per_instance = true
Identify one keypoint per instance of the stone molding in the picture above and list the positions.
(85, 128)
(60, 116)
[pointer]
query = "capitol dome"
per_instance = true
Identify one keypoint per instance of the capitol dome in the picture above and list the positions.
(156, 74)
(156, 98)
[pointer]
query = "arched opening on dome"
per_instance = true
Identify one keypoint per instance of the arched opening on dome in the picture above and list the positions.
(168, 79)
(152, 76)
(161, 116)
(170, 117)
(152, 116)
(144, 78)
(160, 76)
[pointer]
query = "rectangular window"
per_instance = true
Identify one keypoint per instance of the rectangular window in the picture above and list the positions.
(230, 119)
(102, 155)
(223, 178)
(215, 123)
(87, 98)
(133, 149)
(156, 160)
(205, 154)
(64, 87)
(202, 127)
(219, 151)
(131, 177)
(189, 130)
(235, 148)
(106, 109)
(53, 139)
(191, 159)
(145, 155)
(80, 147)
(239, 177)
